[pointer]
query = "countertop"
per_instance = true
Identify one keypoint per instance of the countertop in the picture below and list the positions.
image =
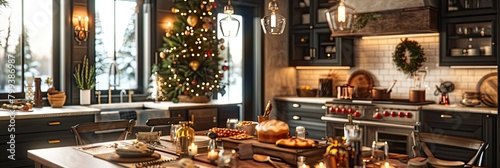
(162, 105)
(49, 112)
(451, 108)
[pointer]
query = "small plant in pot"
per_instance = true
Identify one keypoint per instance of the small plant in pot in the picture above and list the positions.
(85, 80)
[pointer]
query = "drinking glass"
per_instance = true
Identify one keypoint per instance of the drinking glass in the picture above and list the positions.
(227, 159)
(173, 135)
(231, 123)
(380, 151)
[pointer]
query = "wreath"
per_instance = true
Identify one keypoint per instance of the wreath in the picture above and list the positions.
(415, 54)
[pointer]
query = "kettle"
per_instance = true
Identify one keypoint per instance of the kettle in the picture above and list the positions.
(345, 91)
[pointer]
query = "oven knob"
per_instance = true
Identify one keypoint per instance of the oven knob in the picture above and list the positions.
(401, 114)
(409, 115)
(331, 110)
(357, 114)
(344, 110)
(350, 110)
(386, 113)
(337, 110)
(377, 115)
(394, 114)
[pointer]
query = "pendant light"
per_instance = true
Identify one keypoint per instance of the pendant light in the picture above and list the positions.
(340, 17)
(273, 23)
(229, 26)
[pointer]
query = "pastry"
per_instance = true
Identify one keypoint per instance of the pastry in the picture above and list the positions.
(296, 143)
(271, 130)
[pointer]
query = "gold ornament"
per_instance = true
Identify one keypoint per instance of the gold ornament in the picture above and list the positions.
(187, 32)
(163, 55)
(175, 10)
(206, 26)
(192, 20)
(222, 47)
(209, 7)
(194, 65)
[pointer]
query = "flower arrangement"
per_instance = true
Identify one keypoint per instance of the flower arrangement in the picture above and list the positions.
(85, 75)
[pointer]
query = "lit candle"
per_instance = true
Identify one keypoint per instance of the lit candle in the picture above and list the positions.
(86, 23)
(320, 165)
(387, 165)
(79, 22)
(193, 149)
(213, 155)
(305, 166)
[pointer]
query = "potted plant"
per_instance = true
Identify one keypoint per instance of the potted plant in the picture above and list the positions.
(85, 80)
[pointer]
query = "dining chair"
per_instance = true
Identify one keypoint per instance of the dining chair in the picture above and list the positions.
(82, 130)
(153, 122)
(423, 139)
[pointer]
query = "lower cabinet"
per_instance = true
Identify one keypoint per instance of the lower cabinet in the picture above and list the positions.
(470, 125)
(36, 133)
(307, 115)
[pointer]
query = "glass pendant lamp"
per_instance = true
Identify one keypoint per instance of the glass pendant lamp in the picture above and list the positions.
(229, 26)
(273, 23)
(340, 18)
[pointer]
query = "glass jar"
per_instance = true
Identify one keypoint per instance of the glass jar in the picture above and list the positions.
(300, 132)
(227, 159)
(185, 136)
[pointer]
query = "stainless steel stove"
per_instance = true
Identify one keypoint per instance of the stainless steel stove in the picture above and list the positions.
(392, 121)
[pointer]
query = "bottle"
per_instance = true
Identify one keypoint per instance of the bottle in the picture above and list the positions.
(212, 145)
(300, 132)
(185, 136)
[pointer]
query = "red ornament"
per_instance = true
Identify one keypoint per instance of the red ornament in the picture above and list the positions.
(209, 53)
(225, 67)
(194, 82)
(186, 92)
(221, 76)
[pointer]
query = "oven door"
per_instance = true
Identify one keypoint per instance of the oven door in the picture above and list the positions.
(397, 136)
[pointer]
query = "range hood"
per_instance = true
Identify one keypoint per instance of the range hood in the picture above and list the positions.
(395, 17)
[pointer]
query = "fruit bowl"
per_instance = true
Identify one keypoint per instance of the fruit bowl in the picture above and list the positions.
(307, 92)
(56, 95)
(57, 102)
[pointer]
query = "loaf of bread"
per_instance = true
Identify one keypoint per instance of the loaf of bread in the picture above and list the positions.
(296, 143)
(271, 130)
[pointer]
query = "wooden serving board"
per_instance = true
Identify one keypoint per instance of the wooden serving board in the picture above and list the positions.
(288, 155)
(488, 86)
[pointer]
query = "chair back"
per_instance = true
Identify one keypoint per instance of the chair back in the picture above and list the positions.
(83, 128)
(163, 121)
(422, 138)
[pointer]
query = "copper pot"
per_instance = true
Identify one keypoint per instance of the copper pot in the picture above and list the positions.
(380, 93)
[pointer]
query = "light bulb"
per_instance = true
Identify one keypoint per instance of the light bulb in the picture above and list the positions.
(341, 12)
(273, 20)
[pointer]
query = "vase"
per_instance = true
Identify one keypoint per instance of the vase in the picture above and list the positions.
(84, 97)
(194, 99)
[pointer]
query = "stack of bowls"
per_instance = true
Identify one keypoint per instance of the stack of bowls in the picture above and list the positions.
(57, 100)
(471, 99)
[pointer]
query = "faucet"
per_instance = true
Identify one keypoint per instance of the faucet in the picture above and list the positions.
(130, 93)
(112, 72)
(123, 92)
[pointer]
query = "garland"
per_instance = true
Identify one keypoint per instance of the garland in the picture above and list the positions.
(415, 54)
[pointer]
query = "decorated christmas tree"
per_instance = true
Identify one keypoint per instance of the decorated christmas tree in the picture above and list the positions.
(190, 65)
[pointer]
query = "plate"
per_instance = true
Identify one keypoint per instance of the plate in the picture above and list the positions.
(488, 87)
(363, 82)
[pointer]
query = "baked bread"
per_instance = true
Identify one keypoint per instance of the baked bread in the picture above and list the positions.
(296, 143)
(271, 130)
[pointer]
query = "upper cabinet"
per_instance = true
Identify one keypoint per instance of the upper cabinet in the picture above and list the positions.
(468, 33)
(310, 41)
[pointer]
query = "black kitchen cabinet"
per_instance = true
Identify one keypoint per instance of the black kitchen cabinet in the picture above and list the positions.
(307, 115)
(469, 125)
(468, 33)
(311, 43)
(37, 133)
(206, 118)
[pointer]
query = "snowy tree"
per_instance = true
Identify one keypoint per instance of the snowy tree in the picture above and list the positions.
(101, 55)
(126, 56)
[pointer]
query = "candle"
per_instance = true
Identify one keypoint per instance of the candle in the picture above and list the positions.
(212, 155)
(320, 165)
(387, 165)
(86, 23)
(305, 166)
(193, 149)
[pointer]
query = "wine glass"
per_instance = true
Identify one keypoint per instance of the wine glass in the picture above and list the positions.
(173, 135)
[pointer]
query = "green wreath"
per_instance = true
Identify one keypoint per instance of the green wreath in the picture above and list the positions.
(416, 56)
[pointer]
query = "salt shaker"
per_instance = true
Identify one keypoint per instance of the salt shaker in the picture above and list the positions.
(300, 132)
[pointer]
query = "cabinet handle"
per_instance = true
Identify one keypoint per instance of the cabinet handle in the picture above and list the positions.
(323, 107)
(296, 117)
(446, 116)
(52, 123)
(178, 115)
(192, 118)
(311, 27)
(295, 105)
(493, 43)
(313, 53)
(54, 141)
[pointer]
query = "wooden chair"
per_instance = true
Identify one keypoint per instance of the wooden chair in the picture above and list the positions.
(422, 139)
(162, 121)
(83, 128)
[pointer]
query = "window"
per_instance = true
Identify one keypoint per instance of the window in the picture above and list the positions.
(116, 39)
(26, 41)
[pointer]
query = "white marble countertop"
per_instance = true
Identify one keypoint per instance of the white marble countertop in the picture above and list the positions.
(318, 100)
(171, 105)
(451, 108)
(48, 111)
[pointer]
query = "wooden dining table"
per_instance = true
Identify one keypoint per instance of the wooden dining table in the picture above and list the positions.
(83, 156)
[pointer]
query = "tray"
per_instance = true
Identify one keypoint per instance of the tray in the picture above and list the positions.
(288, 155)
(363, 83)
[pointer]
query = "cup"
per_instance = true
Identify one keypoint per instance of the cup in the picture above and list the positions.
(227, 159)
(472, 52)
(231, 123)
(173, 130)
(380, 151)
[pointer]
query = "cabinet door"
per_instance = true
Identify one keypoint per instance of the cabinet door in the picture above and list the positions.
(226, 112)
(332, 50)
(300, 14)
(452, 8)
(468, 41)
(301, 51)
(203, 119)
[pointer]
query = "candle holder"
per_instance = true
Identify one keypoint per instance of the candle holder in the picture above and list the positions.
(81, 30)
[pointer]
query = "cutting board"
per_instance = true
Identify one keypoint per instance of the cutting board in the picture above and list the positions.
(488, 87)
(363, 83)
(288, 155)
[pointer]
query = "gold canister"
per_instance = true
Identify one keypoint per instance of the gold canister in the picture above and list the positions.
(185, 136)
